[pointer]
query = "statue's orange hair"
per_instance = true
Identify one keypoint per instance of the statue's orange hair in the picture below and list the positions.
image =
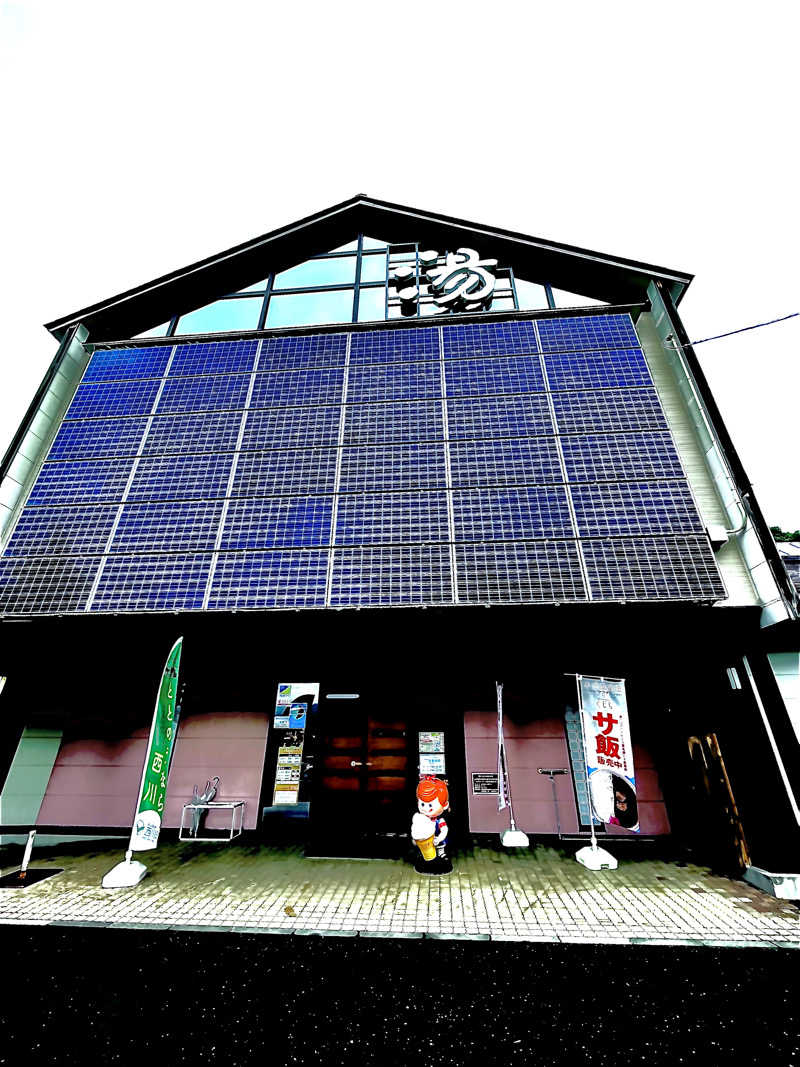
(429, 788)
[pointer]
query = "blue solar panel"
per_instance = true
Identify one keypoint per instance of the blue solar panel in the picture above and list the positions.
(312, 386)
(663, 568)
(472, 377)
(413, 574)
(45, 586)
(393, 381)
(620, 457)
(609, 411)
(587, 331)
(525, 415)
(505, 462)
(120, 363)
(152, 583)
(278, 522)
(204, 394)
(511, 514)
(285, 353)
(414, 466)
(94, 399)
(213, 357)
(394, 346)
(183, 527)
(391, 518)
(291, 427)
(490, 339)
(66, 530)
(597, 370)
(89, 482)
(206, 431)
(635, 508)
(515, 541)
(269, 580)
(308, 470)
(415, 420)
(95, 438)
(519, 573)
(192, 477)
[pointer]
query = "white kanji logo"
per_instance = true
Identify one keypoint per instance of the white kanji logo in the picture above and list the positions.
(463, 279)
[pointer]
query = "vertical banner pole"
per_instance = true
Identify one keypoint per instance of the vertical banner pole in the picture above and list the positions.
(586, 763)
(608, 709)
(512, 837)
(153, 786)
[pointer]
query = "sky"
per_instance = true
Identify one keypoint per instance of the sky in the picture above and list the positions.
(140, 137)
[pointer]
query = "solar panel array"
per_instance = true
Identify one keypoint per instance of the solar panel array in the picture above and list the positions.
(518, 462)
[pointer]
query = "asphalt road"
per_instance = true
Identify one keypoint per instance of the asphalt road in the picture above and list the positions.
(93, 996)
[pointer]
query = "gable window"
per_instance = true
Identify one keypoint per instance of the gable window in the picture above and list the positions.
(354, 282)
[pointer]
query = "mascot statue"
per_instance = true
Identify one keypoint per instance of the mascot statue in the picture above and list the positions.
(429, 829)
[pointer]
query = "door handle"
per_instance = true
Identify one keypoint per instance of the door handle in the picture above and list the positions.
(358, 763)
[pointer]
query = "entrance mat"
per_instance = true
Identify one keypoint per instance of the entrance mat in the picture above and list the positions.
(18, 880)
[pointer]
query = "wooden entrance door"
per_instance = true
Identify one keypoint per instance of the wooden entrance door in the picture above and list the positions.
(362, 785)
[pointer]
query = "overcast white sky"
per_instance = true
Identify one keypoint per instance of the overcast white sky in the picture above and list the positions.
(139, 137)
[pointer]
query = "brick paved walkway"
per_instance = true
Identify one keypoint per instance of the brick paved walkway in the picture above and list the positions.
(537, 895)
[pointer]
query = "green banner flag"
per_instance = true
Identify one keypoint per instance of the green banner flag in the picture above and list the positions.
(153, 790)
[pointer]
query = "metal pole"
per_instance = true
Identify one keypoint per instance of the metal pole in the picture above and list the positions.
(512, 836)
(586, 764)
(26, 859)
(555, 804)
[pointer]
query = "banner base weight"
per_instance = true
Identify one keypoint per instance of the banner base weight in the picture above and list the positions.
(514, 839)
(596, 859)
(124, 875)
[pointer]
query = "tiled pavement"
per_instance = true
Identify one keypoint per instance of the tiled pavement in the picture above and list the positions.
(536, 895)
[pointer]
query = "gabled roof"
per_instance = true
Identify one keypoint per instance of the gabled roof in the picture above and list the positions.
(608, 278)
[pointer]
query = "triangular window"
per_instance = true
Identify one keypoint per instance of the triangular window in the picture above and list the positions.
(566, 299)
(347, 284)
(328, 288)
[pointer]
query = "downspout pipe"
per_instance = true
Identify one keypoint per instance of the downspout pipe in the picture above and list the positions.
(33, 407)
(741, 481)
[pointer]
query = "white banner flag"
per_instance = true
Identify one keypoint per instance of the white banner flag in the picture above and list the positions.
(607, 747)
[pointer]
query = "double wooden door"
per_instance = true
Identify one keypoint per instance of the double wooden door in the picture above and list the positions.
(362, 783)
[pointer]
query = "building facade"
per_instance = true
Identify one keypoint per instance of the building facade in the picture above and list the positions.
(403, 457)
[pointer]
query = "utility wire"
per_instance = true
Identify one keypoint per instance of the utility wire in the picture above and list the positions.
(744, 329)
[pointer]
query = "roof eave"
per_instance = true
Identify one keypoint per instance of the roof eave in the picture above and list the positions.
(205, 280)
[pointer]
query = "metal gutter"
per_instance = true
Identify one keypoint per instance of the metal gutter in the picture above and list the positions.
(33, 407)
(742, 483)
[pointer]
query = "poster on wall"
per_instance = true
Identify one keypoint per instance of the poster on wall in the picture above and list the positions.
(431, 741)
(293, 704)
(608, 753)
(431, 763)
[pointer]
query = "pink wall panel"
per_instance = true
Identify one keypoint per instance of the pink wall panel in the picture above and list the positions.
(537, 744)
(94, 782)
(529, 746)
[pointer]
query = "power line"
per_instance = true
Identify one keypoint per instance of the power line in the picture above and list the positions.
(744, 329)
